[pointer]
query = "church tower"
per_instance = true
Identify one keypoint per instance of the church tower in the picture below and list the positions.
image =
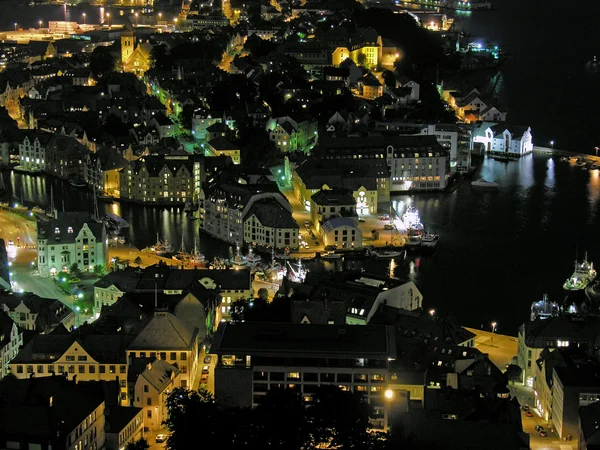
(127, 45)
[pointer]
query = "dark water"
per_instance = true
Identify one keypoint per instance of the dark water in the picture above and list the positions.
(546, 83)
(499, 250)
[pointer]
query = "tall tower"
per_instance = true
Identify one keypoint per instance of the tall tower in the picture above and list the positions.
(127, 45)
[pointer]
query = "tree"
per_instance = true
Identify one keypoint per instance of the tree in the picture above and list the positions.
(141, 444)
(138, 260)
(74, 270)
(99, 269)
(389, 78)
(102, 61)
(514, 373)
(263, 294)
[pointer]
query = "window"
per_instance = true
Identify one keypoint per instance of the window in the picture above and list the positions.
(102, 369)
(145, 388)
(81, 369)
(92, 369)
(163, 355)
(183, 369)
(40, 369)
(173, 356)
(149, 401)
(112, 369)
(293, 375)
(122, 369)
(183, 356)
(70, 358)
(20, 369)
(61, 369)
(82, 358)
(71, 368)
(149, 414)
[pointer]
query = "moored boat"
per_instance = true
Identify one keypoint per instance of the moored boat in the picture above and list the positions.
(411, 219)
(381, 253)
(330, 255)
(484, 183)
(430, 239)
(582, 277)
(414, 238)
(77, 183)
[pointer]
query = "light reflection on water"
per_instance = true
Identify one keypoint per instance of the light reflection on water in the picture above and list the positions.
(499, 249)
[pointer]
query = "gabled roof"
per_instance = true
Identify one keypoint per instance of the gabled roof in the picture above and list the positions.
(334, 197)
(75, 220)
(158, 374)
(221, 143)
(270, 213)
(164, 331)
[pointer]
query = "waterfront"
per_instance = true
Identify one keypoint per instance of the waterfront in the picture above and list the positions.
(499, 249)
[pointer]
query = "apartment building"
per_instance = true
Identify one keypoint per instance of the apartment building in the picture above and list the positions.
(270, 224)
(32, 151)
(290, 134)
(255, 357)
(329, 204)
(101, 171)
(31, 312)
(172, 340)
(65, 157)
(70, 238)
(11, 341)
(162, 180)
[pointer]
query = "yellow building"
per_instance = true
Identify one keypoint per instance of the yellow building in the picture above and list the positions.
(220, 146)
(134, 59)
(366, 48)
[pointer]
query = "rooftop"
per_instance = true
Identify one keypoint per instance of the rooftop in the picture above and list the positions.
(271, 213)
(333, 197)
(164, 331)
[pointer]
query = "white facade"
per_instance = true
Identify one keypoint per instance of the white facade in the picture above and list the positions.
(342, 232)
(513, 141)
(152, 397)
(75, 246)
(257, 233)
(420, 171)
(32, 154)
(493, 114)
(13, 341)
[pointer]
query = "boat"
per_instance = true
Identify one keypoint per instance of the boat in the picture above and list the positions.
(252, 258)
(330, 255)
(584, 275)
(121, 240)
(116, 222)
(411, 219)
(544, 309)
(190, 207)
(564, 159)
(385, 253)
(196, 257)
(298, 273)
(483, 183)
(580, 162)
(77, 183)
(161, 248)
(430, 239)
(414, 238)
(595, 166)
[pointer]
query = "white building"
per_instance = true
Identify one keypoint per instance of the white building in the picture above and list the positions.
(151, 390)
(342, 233)
(329, 204)
(421, 170)
(11, 340)
(270, 224)
(71, 238)
(501, 139)
(32, 151)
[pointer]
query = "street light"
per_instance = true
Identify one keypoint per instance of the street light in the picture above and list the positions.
(596, 148)
(432, 312)
(108, 17)
(136, 20)
(40, 23)
(84, 16)
(15, 26)
(494, 327)
(552, 144)
(389, 394)
(159, 16)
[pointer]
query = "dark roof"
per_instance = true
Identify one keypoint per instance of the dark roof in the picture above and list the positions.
(566, 327)
(218, 127)
(270, 213)
(158, 374)
(589, 416)
(164, 331)
(125, 280)
(154, 164)
(221, 143)
(336, 196)
(50, 312)
(229, 279)
(108, 158)
(374, 146)
(342, 173)
(118, 417)
(64, 220)
(290, 339)
(583, 374)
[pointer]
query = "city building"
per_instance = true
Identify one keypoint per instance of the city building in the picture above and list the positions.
(152, 388)
(11, 341)
(232, 285)
(32, 151)
(51, 413)
(31, 312)
(290, 134)
(124, 424)
(574, 385)
(70, 238)
(162, 180)
(329, 204)
(102, 171)
(504, 140)
(364, 47)
(92, 357)
(367, 179)
(220, 146)
(65, 157)
(341, 233)
(172, 340)
(268, 223)
(364, 294)
(135, 58)
(228, 197)
(253, 357)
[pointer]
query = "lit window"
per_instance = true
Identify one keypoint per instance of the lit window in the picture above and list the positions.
(70, 230)
(57, 230)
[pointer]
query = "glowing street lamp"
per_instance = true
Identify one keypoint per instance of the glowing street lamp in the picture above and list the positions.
(159, 16)
(494, 324)
(136, 20)
(389, 394)
(40, 24)
(108, 17)
(552, 144)
(432, 312)
(84, 18)
(15, 26)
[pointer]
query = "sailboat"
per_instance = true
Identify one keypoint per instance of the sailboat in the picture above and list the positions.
(196, 257)
(50, 213)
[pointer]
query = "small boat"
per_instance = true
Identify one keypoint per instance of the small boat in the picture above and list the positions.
(77, 183)
(430, 240)
(386, 253)
(483, 183)
(37, 209)
(252, 258)
(595, 166)
(580, 162)
(116, 222)
(330, 255)
(414, 238)
(121, 240)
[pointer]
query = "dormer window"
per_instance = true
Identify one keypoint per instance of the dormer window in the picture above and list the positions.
(70, 230)
(57, 230)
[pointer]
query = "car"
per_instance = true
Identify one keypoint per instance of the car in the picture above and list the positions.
(362, 219)
(539, 428)
(205, 370)
(384, 217)
(10, 243)
(74, 280)
(204, 379)
(389, 227)
(543, 433)
(528, 413)
(525, 407)
(207, 359)
(161, 438)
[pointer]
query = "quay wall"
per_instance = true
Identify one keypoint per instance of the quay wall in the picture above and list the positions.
(558, 152)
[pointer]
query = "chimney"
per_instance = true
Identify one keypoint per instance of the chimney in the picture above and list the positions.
(149, 366)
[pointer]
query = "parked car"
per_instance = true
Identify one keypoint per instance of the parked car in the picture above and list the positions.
(525, 407)
(539, 428)
(205, 370)
(389, 227)
(384, 217)
(207, 359)
(543, 433)
(362, 219)
(161, 438)
(528, 413)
